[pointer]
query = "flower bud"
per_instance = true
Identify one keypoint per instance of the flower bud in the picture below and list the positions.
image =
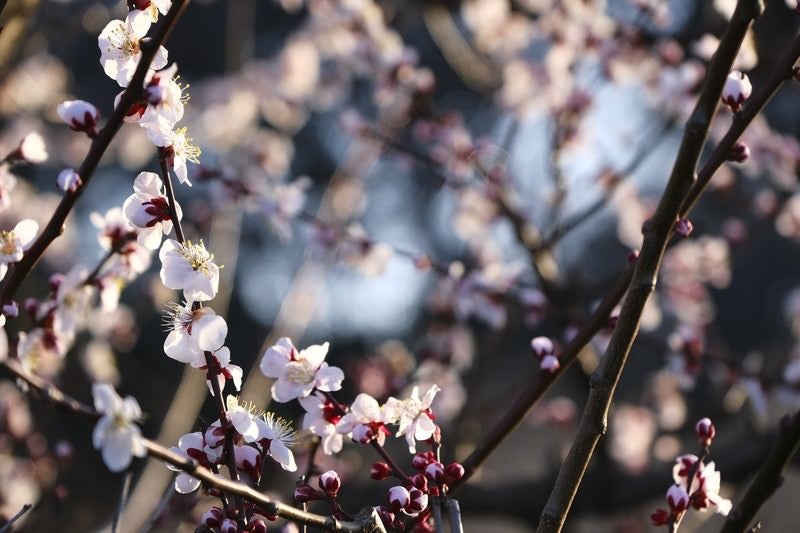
(677, 498)
(398, 497)
(435, 472)
(256, 526)
(454, 471)
(705, 431)
(684, 227)
(660, 517)
(229, 525)
(420, 481)
(330, 483)
(213, 517)
(542, 346)
(417, 503)
(69, 180)
(31, 150)
(739, 153)
(79, 116)
(380, 471)
(549, 364)
(11, 309)
(304, 493)
(363, 434)
(737, 89)
(421, 460)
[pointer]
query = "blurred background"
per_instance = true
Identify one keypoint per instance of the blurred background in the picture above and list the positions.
(427, 185)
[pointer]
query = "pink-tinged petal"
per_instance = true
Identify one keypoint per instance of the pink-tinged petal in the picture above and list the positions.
(332, 444)
(315, 354)
(285, 391)
(139, 22)
(191, 441)
(424, 428)
(26, 231)
(210, 331)
(329, 378)
(367, 408)
(148, 183)
(244, 424)
(276, 357)
(283, 455)
(185, 484)
(180, 346)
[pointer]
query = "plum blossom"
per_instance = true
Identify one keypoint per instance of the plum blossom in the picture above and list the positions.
(179, 148)
(120, 48)
(281, 203)
(192, 332)
(32, 150)
(366, 420)
(189, 267)
(151, 7)
(14, 243)
(148, 210)
(413, 415)
(165, 100)
(275, 436)
(297, 374)
(242, 419)
(190, 445)
(79, 116)
(225, 369)
(68, 180)
(321, 419)
(116, 433)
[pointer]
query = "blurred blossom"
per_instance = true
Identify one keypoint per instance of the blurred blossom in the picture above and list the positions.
(632, 432)
(36, 84)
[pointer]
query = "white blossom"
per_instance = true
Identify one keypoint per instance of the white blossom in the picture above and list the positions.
(14, 243)
(276, 435)
(413, 415)
(193, 332)
(299, 373)
(321, 418)
(116, 433)
(120, 47)
(148, 210)
(189, 267)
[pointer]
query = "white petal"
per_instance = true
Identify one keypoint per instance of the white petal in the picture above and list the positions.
(282, 455)
(184, 483)
(26, 231)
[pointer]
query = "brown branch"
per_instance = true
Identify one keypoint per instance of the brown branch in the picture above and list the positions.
(657, 234)
(100, 143)
(366, 522)
(769, 476)
(523, 404)
(8, 525)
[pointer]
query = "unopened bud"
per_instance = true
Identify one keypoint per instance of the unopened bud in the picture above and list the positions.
(398, 497)
(705, 431)
(229, 525)
(684, 227)
(677, 498)
(330, 483)
(380, 471)
(418, 501)
(420, 481)
(737, 89)
(256, 526)
(213, 517)
(454, 471)
(304, 493)
(739, 153)
(435, 472)
(541, 346)
(421, 460)
(549, 364)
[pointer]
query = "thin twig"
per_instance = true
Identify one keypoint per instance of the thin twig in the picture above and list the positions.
(657, 234)
(123, 497)
(8, 525)
(55, 226)
(365, 522)
(769, 476)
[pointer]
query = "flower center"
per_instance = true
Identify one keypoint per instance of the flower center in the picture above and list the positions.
(300, 372)
(197, 256)
(8, 243)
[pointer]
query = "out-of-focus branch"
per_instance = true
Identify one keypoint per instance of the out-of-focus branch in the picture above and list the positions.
(523, 404)
(769, 476)
(100, 143)
(657, 234)
(366, 522)
(8, 525)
